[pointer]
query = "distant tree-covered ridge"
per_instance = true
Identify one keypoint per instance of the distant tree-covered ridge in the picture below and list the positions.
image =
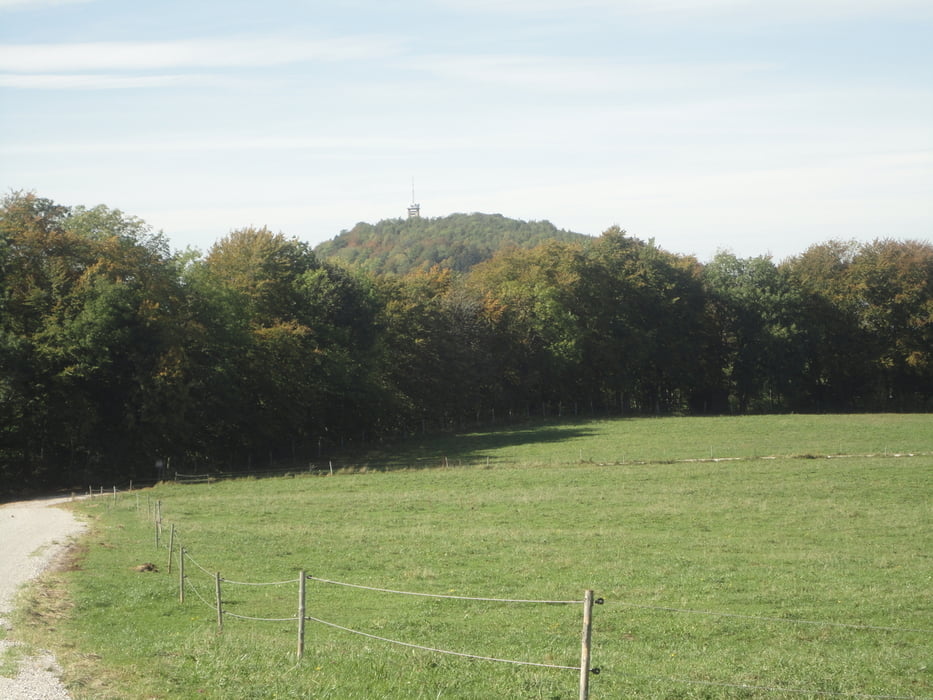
(456, 242)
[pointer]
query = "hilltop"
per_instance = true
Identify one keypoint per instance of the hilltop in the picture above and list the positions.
(457, 242)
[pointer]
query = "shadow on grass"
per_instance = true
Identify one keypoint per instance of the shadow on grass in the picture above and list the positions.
(419, 452)
(469, 448)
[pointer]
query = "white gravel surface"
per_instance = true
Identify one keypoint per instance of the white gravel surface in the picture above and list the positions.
(32, 535)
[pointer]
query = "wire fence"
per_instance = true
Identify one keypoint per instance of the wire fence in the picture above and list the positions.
(449, 597)
(215, 605)
(218, 604)
(441, 651)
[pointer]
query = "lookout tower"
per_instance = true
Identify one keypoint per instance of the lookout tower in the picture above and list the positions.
(414, 210)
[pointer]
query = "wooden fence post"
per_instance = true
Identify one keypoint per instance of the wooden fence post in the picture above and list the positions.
(181, 575)
(585, 653)
(220, 608)
(301, 614)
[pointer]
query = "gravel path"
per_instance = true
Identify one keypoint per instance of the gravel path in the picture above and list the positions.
(32, 535)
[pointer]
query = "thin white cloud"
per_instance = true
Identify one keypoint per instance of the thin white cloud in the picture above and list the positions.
(761, 10)
(85, 81)
(235, 52)
(234, 142)
(30, 4)
(582, 75)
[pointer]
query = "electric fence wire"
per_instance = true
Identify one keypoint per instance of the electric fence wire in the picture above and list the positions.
(449, 597)
(438, 651)
(270, 583)
(197, 594)
(260, 619)
(191, 559)
(789, 620)
(776, 689)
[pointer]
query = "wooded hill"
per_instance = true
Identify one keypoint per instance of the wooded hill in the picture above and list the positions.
(456, 242)
(116, 352)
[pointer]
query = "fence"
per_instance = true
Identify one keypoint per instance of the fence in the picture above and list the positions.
(301, 616)
(214, 599)
(154, 513)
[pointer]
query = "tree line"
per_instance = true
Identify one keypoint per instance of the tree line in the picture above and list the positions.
(117, 352)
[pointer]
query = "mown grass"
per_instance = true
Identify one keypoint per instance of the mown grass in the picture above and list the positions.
(772, 545)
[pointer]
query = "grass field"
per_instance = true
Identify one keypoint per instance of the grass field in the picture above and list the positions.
(772, 572)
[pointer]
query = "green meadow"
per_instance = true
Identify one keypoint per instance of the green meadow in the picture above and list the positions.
(753, 557)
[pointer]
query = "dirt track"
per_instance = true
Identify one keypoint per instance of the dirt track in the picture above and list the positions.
(32, 535)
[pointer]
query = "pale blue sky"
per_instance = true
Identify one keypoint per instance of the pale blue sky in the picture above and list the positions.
(757, 127)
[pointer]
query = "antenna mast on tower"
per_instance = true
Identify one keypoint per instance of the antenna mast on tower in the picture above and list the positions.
(414, 210)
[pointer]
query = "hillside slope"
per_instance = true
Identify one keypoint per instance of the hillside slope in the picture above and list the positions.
(457, 242)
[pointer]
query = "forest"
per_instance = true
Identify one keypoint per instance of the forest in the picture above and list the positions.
(456, 242)
(117, 352)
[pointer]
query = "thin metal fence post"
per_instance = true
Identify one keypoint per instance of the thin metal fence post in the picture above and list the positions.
(585, 651)
(301, 614)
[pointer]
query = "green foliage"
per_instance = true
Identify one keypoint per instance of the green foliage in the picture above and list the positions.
(766, 543)
(287, 360)
(88, 333)
(868, 314)
(757, 311)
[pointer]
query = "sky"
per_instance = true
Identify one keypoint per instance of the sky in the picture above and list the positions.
(755, 127)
